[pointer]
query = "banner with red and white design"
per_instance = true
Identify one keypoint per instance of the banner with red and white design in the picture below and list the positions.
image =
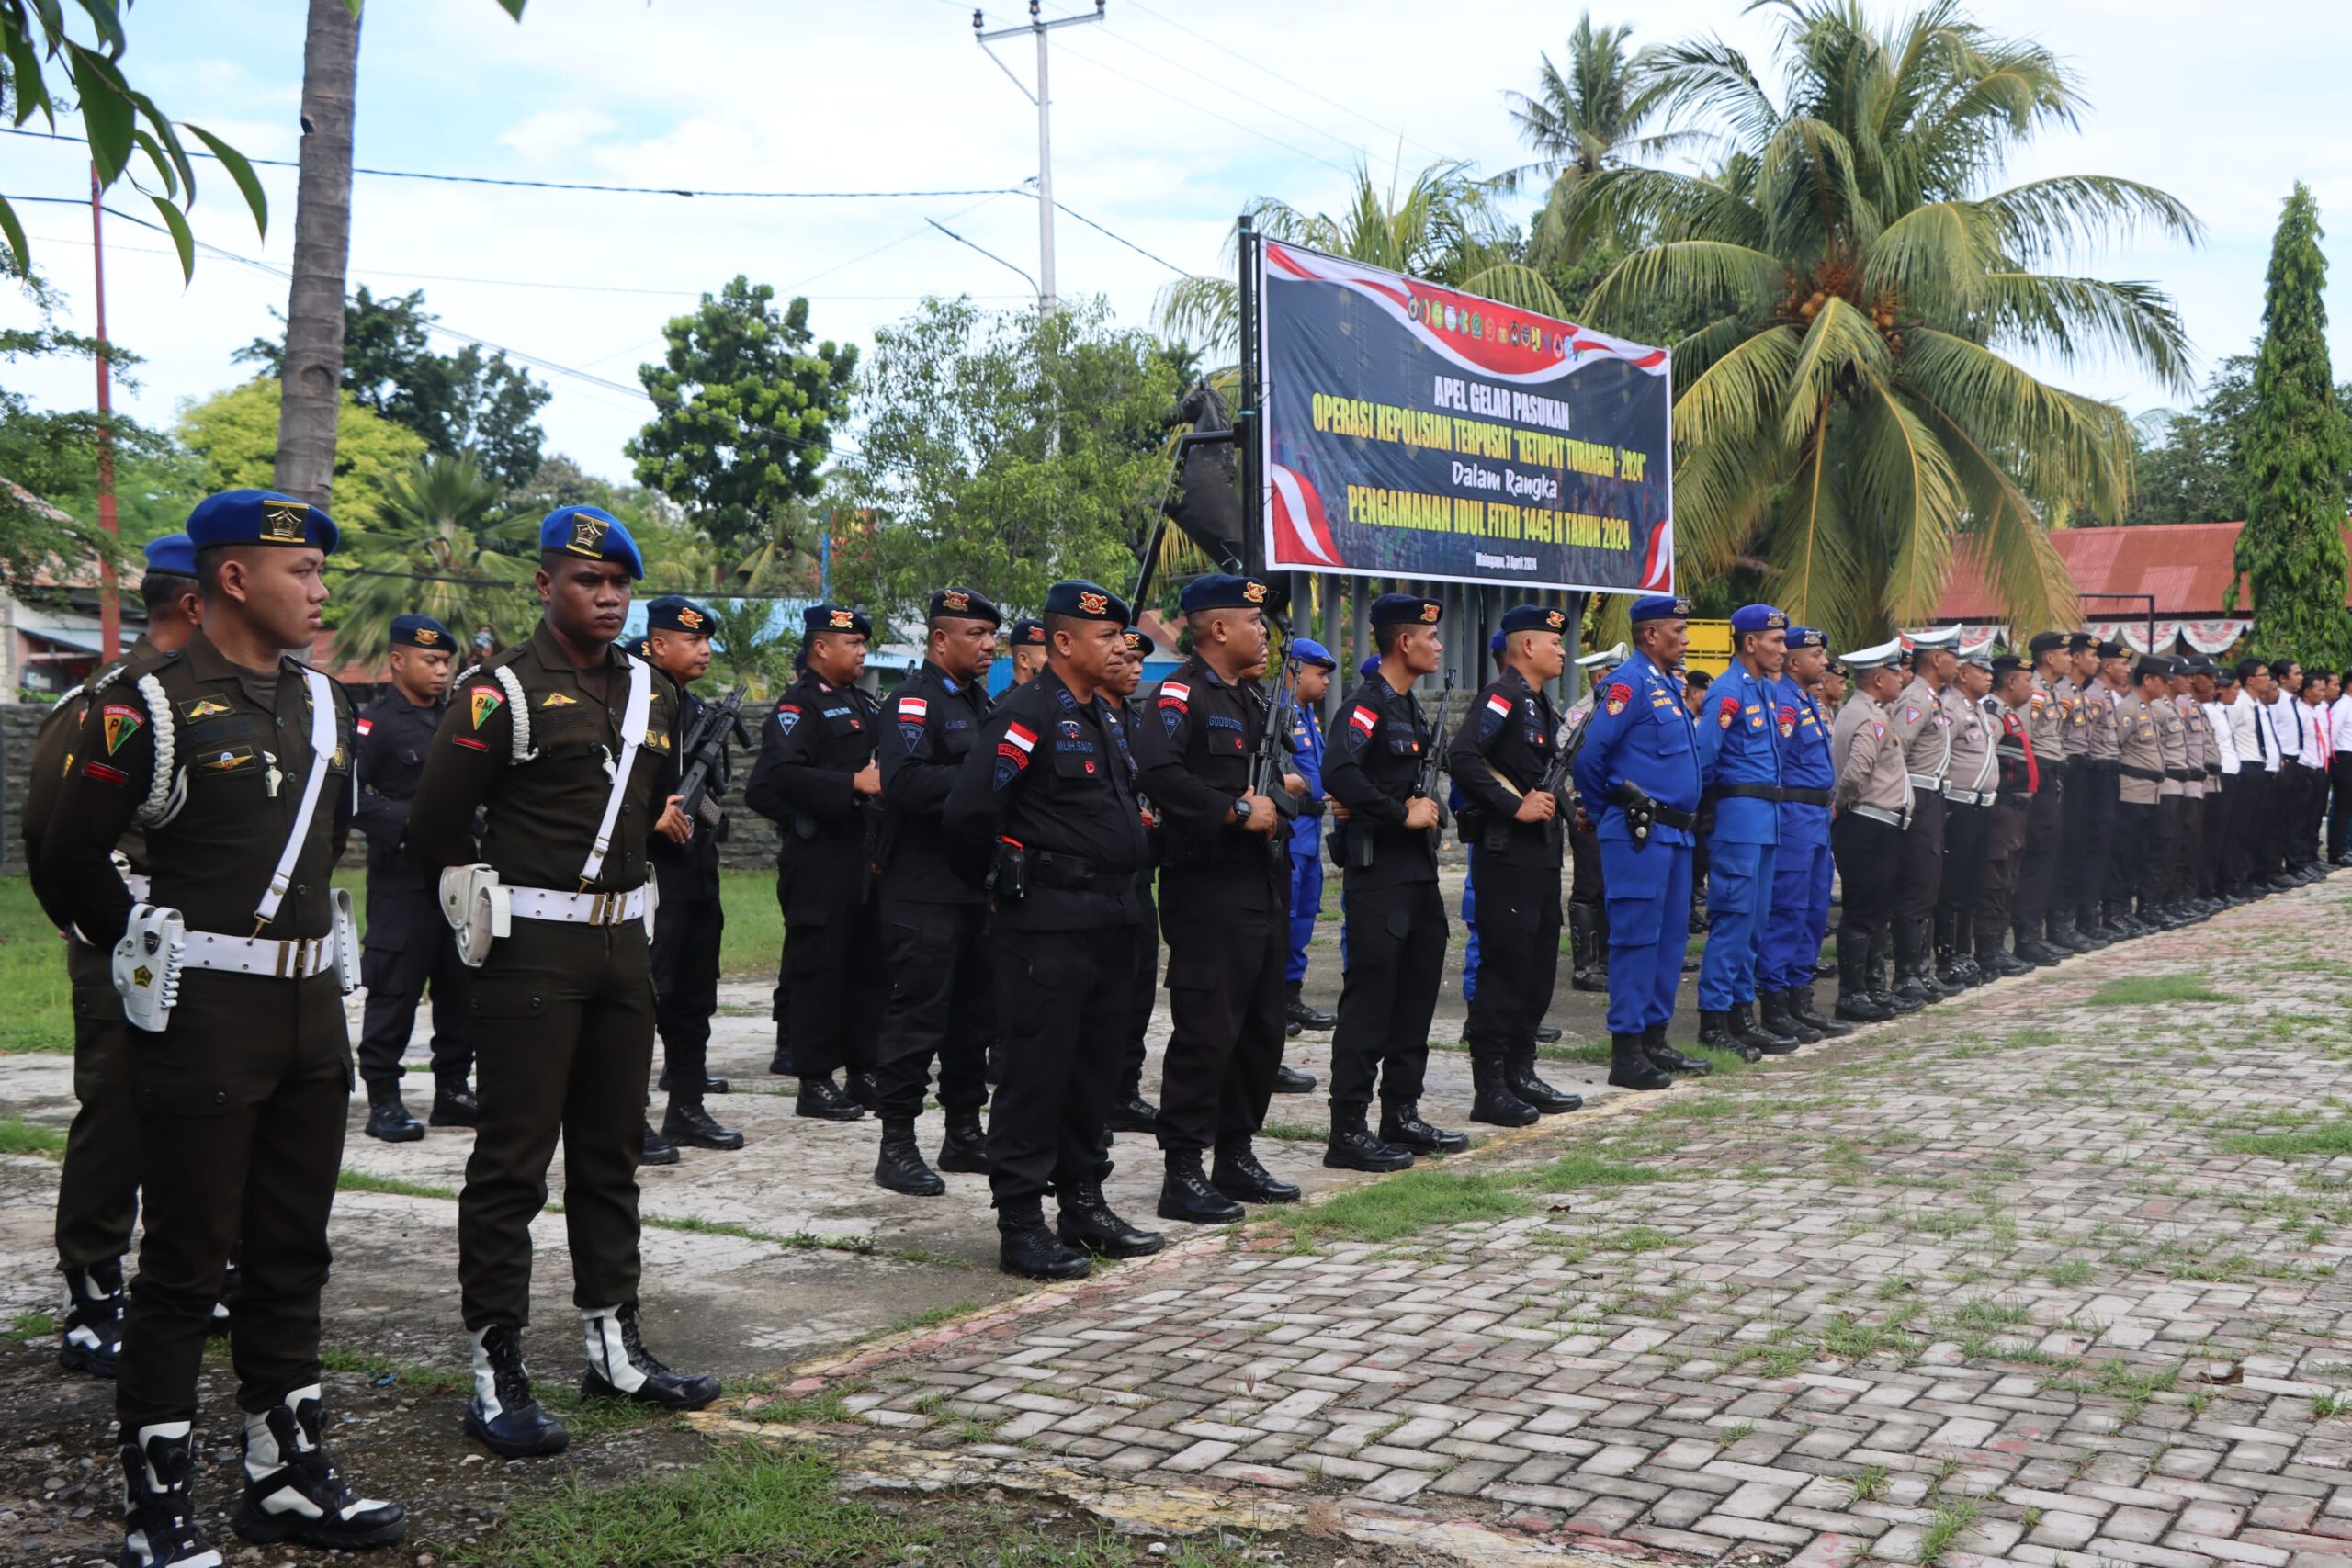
(1414, 430)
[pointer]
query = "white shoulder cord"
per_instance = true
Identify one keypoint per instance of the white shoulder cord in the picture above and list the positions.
(633, 724)
(159, 806)
(322, 747)
(519, 711)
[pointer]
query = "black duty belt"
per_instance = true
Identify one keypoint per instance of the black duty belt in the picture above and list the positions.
(2146, 775)
(2054, 767)
(2106, 764)
(1743, 792)
(2183, 774)
(1075, 873)
(1686, 820)
(1796, 795)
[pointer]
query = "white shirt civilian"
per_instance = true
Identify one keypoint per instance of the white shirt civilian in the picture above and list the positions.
(2224, 732)
(2250, 720)
(2289, 729)
(2339, 720)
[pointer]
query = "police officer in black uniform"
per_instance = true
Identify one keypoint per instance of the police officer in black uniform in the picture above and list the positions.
(1130, 1111)
(689, 924)
(816, 778)
(1223, 902)
(1396, 922)
(408, 941)
(237, 760)
(1044, 814)
(1498, 755)
(932, 918)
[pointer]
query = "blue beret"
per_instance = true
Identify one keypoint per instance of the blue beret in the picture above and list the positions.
(1028, 634)
(1494, 643)
(1223, 591)
(834, 618)
(421, 631)
(1368, 666)
(173, 553)
(964, 605)
(1086, 601)
(675, 613)
(1808, 636)
(1307, 650)
(1534, 618)
(592, 534)
(259, 517)
(1393, 609)
(1759, 619)
(1660, 607)
(1139, 643)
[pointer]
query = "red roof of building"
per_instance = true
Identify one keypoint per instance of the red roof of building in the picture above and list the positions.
(2187, 565)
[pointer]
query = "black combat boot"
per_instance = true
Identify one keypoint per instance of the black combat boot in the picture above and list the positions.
(2028, 946)
(1290, 1080)
(1298, 1011)
(502, 1416)
(1547, 1035)
(655, 1149)
(1630, 1066)
(1088, 1223)
(1186, 1196)
(454, 1105)
(1881, 992)
(710, 1085)
(1855, 1003)
(1519, 1077)
(964, 1149)
(1354, 1148)
(1239, 1176)
(90, 1337)
(1493, 1101)
(620, 1367)
(1907, 961)
(781, 1063)
(897, 1165)
(292, 1491)
(862, 1090)
(2059, 931)
(1801, 1011)
(1995, 961)
(387, 1117)
(1024, 1246)
(1752, 1035)
(159, 1523)
(1132, 1113)
(698, 1129)
(1585, 944)
(1930, 979)
(1401, 1127)
(1666, 1059)
(824, 1101)
(1773, 1008)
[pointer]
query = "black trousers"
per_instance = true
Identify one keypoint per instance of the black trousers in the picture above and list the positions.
(2072, 892)
(2097, 788)
(2037, 873)
(2258, 794)
(97, 1182)
(2135, 839)
(565, 1015)
(2005, 848)
(1228, 947)
(2339, 817)
(2158, 883)
(1058, 995)
(1518, 951)
(1869, 876)
(1147, 988)
(409, 946)
(938, 1008)
(832, 969)
(2188, 848)
(1964, 879)
(1920, 878)
(2223, 797)
(2308, 831)
(1396, 953)
(241, 1103)
(1584, 862)
(2285, 808)
(685, 958)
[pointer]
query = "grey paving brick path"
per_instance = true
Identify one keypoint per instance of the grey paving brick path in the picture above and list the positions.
(2009, 1281)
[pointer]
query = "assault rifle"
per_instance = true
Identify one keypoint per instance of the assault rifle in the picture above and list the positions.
(1269, 767)
(705, 755)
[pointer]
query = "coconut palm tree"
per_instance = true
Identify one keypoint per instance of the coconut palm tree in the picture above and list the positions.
(432, 552)
(1589, 116)
(313, 367)
(1850, 411)
(1444, 228)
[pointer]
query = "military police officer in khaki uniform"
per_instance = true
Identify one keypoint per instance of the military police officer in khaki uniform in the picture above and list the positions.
(1870, 806)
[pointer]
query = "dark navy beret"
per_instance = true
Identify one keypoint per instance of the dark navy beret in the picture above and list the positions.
(1660, 607)
(2080, 642)
(675, 613)
(1086, 601)
(2045, 642)
(2110, 649)
(173, 553)
(965, 606)
(2007, 663)
(1759, 619)
(1405, 609)
(1534, 618)
(1028, 634)
(1224, 590)
(421, 631)
(1139, 643)
(834, 618)
(1700, 677)
(260, 517)
(592, 534)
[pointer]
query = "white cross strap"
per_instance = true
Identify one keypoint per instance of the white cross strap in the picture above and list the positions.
(633, 722)
(322, 754)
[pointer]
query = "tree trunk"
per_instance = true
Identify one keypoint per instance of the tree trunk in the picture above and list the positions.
(313, 373)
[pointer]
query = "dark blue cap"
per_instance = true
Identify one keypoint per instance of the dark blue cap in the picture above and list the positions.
(1534, 618)
(1224, 590)
(1139, 643)
(1408, 609)
(260, 517)
(173, 553)
(593, 534)
(1307, 650)
(1808, 636)
(676, 612)
(1086, 601)
(1759, 619)
(1368, 666)
(835, 618)
(1696, 677)
(1028, 634)
(1660, 607)
(421, 631)
(964, 605)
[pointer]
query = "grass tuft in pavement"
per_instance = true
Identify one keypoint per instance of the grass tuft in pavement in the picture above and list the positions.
(1417, 1200)
(2327, 1138)
(19, 1136)
(350, 1180)
(1581, 1168)
(2155, 990)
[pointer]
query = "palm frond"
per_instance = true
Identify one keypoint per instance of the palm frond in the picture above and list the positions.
(2088, 318)
(1728, 446)
(1811, 549)
(1707, 78)
(1936, 257)
(1902, 478)
(2008, 537)
(1688, 275)
(2043, 219)
(1840, 348)
(2063, 450)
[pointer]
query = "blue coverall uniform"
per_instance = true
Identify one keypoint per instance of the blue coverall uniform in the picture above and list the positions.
(1641, 733)
(1739, 752)
(1801, 868)
(1305, 842)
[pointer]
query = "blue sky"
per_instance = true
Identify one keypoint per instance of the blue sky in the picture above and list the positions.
(1168, 117)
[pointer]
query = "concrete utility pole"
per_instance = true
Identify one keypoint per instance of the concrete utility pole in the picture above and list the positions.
(1043, 98)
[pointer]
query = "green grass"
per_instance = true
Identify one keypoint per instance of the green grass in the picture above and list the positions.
(755, 935)
(1415, 1200)
(1952, 1517)
(1581, 1168)
(384, 1369)
(350, 1180)
(19, 1136)
(2155, 990)
(2327, 1138)
(27, 1326)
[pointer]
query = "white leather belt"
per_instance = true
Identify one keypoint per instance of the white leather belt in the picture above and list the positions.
(295, 960)
(1969, 797)
(577, 908)
(1880, 814)
(1929, 782)
(137, 881)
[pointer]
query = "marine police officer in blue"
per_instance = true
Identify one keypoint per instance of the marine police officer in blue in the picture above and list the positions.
(1801, 867)
(1740, 763)
(1639, 771)
(1310, 682)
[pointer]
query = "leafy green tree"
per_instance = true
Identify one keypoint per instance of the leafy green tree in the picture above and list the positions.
(430, 551)
(234, 435)
(462, 402)
(1848, 414)
(51, 456)
(2193, 466)
(1003, 451)
(745, 404)
(2298, 459)
(1444, 227)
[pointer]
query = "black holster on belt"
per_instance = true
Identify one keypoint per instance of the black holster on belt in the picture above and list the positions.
(1009, 873)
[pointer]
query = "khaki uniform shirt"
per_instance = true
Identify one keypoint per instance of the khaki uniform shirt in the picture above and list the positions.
(2046, 723)
(1868, 755)
(1973, 767)
(1926, 733)
(2196, 744)
(2074, 709)
(2100, 743)
(2141, 752)
(2172, 738)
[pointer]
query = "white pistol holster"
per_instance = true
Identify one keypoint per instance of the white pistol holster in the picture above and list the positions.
(147, 966)
(346, 943)
(477, 909)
